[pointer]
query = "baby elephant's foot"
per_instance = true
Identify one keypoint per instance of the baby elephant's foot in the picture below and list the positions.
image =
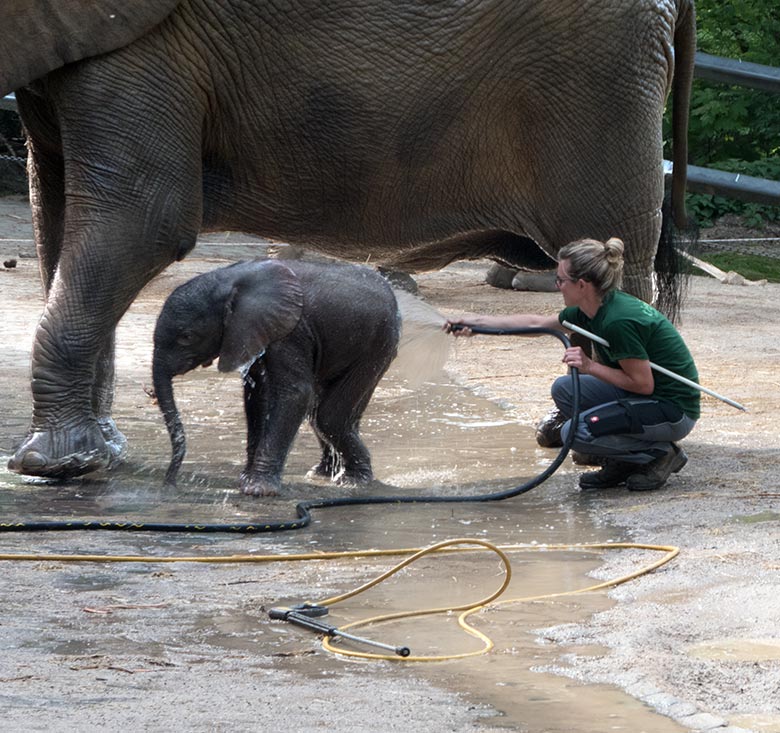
(354, 478)
(259, 485)
(325, 471)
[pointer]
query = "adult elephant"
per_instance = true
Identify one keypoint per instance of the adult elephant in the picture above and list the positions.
(406, 133)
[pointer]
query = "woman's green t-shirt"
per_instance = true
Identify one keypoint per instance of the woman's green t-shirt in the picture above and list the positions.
(636, 330)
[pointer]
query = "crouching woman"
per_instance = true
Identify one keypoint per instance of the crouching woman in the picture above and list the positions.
(631, 417)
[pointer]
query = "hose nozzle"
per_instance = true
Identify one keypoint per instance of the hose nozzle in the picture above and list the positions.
(304, 615)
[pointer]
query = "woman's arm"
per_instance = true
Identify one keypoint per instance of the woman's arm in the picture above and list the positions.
(634, 375)
(515, 320)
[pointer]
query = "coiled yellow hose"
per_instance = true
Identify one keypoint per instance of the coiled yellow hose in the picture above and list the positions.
(414, 554)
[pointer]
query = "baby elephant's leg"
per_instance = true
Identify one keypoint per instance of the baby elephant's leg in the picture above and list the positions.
(337, 424)
(274, 412)
(330, 462)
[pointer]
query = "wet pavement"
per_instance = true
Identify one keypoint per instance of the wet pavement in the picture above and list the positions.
(88, 642)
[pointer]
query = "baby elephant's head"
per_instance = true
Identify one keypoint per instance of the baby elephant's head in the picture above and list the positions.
(190, 327)
(232, 313)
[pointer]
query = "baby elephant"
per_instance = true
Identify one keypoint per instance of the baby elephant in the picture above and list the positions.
(311, 340)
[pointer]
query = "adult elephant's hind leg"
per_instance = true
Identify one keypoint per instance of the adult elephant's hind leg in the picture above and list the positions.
(641, 239)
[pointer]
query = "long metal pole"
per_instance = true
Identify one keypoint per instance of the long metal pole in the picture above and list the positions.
(663, 370)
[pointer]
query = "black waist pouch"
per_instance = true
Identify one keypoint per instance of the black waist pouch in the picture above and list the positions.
(630, 415)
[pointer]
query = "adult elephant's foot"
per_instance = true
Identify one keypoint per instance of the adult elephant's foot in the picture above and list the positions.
(64, 453)
(259, 485)
(116, 442)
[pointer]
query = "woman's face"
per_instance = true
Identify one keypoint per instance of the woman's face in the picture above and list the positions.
(569, 288)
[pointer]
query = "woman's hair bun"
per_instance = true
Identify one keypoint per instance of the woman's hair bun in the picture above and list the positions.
(614, 248)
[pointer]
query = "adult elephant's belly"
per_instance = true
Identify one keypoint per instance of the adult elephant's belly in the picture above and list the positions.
(382, 226)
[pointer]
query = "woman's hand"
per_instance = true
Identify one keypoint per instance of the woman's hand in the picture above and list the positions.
(457, 328)
(575, 357)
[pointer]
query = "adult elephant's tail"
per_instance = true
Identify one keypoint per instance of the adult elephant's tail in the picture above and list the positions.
(678, 231)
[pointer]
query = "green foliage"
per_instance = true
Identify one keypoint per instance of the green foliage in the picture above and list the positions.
(732, 123)
(735, 122)
(735, 128)
(751, 267)
(739, 29)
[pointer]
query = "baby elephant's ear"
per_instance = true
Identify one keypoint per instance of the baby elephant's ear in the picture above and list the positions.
(265, 305)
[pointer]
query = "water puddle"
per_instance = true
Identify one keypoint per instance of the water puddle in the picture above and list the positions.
(760, 517)
(433, 441)
(738, 650)
(507, 679)
(763, 723)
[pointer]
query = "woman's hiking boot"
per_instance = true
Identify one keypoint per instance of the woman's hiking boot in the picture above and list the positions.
(611, 474)
(654, 475)
(548, 431)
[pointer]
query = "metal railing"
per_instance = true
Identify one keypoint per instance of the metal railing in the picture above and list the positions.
(723, 183)
(733, 185)
(737, 73)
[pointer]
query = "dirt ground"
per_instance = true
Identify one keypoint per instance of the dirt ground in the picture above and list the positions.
(696, 641)
(700, 636)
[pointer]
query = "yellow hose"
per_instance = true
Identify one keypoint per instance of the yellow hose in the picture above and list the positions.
(469, 609)
(447, 546)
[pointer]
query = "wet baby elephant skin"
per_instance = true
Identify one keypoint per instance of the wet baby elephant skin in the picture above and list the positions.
(311, 340)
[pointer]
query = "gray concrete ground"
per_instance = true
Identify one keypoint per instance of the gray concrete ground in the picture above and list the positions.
(696, 641)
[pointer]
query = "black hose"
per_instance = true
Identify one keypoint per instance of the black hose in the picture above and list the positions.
(303, 509)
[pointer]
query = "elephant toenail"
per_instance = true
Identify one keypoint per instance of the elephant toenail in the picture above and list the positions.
(33, 459)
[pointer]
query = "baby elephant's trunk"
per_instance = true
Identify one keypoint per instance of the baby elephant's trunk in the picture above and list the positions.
(163, 388)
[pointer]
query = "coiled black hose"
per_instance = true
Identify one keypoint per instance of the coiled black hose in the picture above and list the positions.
(303, 509)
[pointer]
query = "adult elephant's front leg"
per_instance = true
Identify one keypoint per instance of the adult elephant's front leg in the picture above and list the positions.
(65, 438)
(72, 357)
(111, 250)
(103, 400)
(130, 209)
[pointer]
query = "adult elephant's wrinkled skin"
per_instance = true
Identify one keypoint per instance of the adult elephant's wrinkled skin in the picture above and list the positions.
(406, 134)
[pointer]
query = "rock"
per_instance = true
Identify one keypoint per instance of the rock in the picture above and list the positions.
(734, 278)
(702, 721)
(536, 282)
(500, 277)
(400, 280)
